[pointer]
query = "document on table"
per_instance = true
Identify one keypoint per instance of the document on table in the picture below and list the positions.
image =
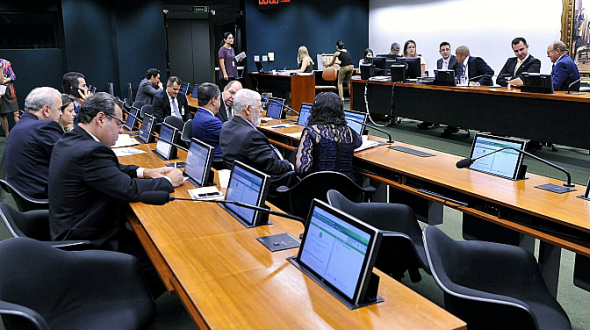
(125, 140)
(120, 152)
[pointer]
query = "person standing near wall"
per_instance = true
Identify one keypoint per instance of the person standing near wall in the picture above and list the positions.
(8, 102)
(228, 66)
(346, 67)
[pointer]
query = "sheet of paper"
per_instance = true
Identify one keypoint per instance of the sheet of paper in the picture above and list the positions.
(125, 140)
(206, 193)
(120, 152)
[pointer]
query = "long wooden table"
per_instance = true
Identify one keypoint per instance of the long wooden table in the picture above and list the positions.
(557, 220)
(558, 118)
(228, 280)
(301, 87)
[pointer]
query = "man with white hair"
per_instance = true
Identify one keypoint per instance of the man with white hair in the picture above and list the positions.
(565, 74)
(29, 146)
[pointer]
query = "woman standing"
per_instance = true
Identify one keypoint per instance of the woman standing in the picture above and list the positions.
(8, 102)
(346, 67)
(228, 66)
(327, 143)
(410, 51)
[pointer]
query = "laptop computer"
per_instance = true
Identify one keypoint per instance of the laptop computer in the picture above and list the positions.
(304, 114)
(259, 67)
(353, 117)
(275, 107)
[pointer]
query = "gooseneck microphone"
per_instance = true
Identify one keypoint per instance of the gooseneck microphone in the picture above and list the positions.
(375, 128)
(468, 161)
(570, 86)
(162, 197)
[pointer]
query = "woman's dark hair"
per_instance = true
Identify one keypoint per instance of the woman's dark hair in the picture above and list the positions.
(225, 35)
(327, 108)
(340, 44)
(367, 51)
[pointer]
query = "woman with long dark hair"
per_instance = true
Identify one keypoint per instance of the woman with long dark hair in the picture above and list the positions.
(327, 143)
(228, 66)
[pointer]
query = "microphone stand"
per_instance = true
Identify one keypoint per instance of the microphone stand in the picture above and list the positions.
(468, 161)
(472, 79)
(375, 128)
(570, 86)
(284, 106)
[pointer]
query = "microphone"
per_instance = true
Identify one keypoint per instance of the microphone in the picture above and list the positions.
(570, 86)
(375, 128)
(162, 197)
(468, 161)
(284, 106)
(169, 142)
(474, 78)
(132, 115)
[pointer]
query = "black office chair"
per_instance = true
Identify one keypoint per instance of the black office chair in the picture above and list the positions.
(582, 272)
(175, 121)
(138, 105)
(45, 288)
(24, 202)
(146, 108)
(187, 131)
(297, 199)
(35, 224)
(491, 285)
(402, 248)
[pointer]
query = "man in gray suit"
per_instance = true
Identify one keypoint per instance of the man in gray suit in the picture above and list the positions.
(149, 86)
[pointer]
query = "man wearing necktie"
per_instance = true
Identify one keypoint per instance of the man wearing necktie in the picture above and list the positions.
(565, 71)
(227, 100)
(170, 102)
(512, 71)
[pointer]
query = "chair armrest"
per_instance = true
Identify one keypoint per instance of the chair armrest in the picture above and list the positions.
(283, 189)
(72, 245)
(369, 189)
(7, 308)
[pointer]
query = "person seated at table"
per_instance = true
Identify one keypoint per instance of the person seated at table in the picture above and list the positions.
(410, 51)
(89, 189)
(365, 60)
(565, 71)
(226, 110)
(327, 143)
(304, 61)
(512, 71)
(206, 126)
(66, 120)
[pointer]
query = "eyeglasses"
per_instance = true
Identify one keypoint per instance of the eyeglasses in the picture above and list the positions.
(549, 52)
(120, 122)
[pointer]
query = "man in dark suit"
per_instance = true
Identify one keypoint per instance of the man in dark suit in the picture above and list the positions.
(240, 140)
(149, 87)
(227, 100)
(74, 84)
(29, 145)
(88, 187)
(206, 126)
(448, 60)
(565, 71)
(170, 102)
(512, 71)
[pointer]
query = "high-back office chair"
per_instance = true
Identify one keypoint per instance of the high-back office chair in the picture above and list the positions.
(138, 105)
(187, 131)
(328, 81)
(492, 285)
(175, 121)
(147, 108)
(297, 199)
(45, 288)
(35, 224)
(24, 202)
(582, 272)
(402, 248)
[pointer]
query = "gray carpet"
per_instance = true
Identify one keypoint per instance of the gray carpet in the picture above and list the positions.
(172, 315)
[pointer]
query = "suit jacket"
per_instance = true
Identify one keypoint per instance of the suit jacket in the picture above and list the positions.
(452, 63)
(222, 112)
(146, 92)
(477, 67)
(163, 109)
(28, 151)
(207, 128)
(565, 72)
(239, 140)
(88, 186)
(531, 65)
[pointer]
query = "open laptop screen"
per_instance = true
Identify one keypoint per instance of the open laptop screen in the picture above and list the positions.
(304, 114)
(351, 115)
(339, 249)
(147, 129)
(246, 185)
(505, 163)
(275, 107)
(198, 162)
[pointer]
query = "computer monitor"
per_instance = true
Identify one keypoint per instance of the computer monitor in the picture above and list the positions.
(164, 150)
(304, 114)
(250, 186)
(357, 116)
(413, 66)
(147, 129)
(198, 163)
(389, 56)
(339, 251)
(537, 83)
(275, 107)
(380, 64)
(505, 163)
(131, 122)
(194, 95)
(184, 88)
(259, 67)
(444, 78)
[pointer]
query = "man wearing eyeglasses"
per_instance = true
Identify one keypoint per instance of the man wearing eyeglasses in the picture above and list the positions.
(564, 72)
(29, 145)
(226, 110)
(88, 188)
(512, 71)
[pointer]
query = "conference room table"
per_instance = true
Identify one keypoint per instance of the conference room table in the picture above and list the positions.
(558, 118)
(301, 86)
(557, 220)
(226, 279)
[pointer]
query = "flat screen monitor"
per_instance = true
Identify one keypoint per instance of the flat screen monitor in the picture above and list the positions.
(198, 162)
(389, 56)
(352, 117)
(505, 163)
(444, 78)
(194, 95)
(379, 63)
(184, 88)
(304, 114)
(413, 66)
(537, 83)
(131, 122)
(165, 150)
(275, 107)
(259, 67)
(250, 186)
(340, 250)
(147, 129)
